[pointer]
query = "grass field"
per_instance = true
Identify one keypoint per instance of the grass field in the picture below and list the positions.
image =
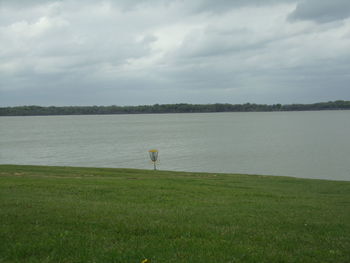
(65, 214)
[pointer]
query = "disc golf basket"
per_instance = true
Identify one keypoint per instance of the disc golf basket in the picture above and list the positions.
(153, 154)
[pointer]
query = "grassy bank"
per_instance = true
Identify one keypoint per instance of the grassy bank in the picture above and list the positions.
(61, 214)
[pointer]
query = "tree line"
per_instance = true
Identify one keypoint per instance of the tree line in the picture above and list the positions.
(169, 108)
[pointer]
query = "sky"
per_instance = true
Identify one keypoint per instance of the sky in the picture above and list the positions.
(137, 52)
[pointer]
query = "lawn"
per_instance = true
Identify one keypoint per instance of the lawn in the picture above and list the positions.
(69, 214)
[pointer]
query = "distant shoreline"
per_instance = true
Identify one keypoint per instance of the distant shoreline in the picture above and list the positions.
(34, 110)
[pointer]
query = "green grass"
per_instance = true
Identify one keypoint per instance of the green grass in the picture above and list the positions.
(65, 214)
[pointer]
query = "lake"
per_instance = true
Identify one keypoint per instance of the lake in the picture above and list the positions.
(313, 144)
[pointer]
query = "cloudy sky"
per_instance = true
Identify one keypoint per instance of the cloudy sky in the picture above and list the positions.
(132, 52)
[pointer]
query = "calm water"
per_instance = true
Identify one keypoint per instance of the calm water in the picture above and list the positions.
(301, 144)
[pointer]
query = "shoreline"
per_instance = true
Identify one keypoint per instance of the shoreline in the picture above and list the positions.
(35, 110)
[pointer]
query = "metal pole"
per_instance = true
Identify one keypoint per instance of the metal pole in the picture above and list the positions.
(154, 165)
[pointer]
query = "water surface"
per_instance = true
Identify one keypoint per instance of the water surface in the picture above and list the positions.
(301, 144)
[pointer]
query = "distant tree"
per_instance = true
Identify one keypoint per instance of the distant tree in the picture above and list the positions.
(169, 108)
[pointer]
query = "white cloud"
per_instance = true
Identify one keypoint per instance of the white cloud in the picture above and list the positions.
(115, 52)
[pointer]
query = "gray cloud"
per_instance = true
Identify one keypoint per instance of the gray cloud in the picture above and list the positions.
(143, 52)
(226, 5)
(321, 11)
